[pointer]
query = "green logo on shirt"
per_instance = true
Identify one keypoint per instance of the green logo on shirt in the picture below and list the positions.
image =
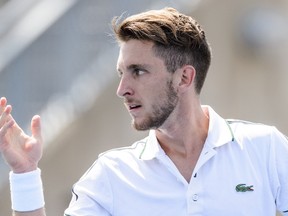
(243, 188)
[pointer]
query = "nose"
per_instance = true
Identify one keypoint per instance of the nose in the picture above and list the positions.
(124, 87)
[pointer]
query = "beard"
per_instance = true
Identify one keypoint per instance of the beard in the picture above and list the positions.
(161, 111)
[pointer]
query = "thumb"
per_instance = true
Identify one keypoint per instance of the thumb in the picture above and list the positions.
(36, 127)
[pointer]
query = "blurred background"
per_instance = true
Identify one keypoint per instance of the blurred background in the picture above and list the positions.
(58, 59)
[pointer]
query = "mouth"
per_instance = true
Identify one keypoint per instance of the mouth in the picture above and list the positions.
(133, 106)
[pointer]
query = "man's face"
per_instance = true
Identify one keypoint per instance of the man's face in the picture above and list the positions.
(145, 84)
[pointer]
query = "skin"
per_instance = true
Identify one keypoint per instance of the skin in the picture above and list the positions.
(21, 152)
(147, 89)
(148, 101)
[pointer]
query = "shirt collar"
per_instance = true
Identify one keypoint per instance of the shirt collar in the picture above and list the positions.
(152, 147)
(219, 133)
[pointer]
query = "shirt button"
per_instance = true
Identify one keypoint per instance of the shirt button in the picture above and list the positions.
(195, 197)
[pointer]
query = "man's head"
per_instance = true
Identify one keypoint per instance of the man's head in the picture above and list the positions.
(178, 39)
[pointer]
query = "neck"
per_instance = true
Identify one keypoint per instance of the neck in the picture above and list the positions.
(183, 141)
(187, 133)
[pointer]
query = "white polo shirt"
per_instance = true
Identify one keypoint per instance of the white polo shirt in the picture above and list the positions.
(242, 171)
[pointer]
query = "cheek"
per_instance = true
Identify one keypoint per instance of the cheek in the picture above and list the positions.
(158, 94)
(155, 89)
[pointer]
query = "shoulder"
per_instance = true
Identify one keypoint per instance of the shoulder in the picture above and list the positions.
(250, 132)
(114, 158)
(251, 129)
(134, 150)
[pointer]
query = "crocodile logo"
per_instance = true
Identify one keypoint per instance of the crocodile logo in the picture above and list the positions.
(243, 188)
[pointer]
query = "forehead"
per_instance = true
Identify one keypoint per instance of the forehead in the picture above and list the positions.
(136, 52)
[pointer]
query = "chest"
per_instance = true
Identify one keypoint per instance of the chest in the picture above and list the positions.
(221, 184)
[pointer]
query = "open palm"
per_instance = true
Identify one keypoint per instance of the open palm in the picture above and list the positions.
(21, 152)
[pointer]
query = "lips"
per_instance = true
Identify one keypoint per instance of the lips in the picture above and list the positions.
(132, 107)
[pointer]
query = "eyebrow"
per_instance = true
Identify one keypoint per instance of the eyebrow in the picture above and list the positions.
(134, 66)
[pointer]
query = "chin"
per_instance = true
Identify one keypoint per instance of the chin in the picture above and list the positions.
(140, 126)
(143, 126)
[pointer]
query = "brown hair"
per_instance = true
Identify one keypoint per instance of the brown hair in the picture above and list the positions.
(178, 39)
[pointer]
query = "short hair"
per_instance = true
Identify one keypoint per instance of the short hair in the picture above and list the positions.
(178, 39)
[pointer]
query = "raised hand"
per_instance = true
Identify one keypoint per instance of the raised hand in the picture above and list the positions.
(21, 151)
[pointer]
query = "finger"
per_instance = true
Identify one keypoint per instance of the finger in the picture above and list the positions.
(5, 115)
(3, 103)
(36, 127)
(5, 128)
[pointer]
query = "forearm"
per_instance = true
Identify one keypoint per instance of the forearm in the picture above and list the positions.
(38, 212)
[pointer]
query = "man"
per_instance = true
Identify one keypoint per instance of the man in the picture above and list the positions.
(192, 163)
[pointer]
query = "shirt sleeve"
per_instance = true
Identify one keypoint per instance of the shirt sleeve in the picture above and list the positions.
(280, 156)
(91, 195)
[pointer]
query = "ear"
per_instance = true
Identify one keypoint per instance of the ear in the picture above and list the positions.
(187, 76)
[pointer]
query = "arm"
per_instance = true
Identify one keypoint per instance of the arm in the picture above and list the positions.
(39, 212)
(20, 151)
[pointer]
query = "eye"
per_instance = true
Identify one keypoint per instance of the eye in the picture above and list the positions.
(120, 73)
(138, 71)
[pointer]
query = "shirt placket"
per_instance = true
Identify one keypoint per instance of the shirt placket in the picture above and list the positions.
(195, 193)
